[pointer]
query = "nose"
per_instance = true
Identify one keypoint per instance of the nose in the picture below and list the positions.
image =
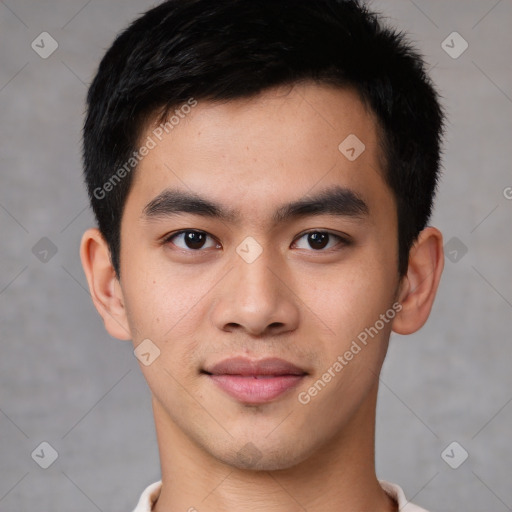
(256, 299)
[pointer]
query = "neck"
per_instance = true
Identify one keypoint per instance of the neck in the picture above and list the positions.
(340, 476)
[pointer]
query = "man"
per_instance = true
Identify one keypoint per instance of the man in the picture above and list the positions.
(262, 173)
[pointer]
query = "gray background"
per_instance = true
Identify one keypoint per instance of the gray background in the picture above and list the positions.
(65, 381)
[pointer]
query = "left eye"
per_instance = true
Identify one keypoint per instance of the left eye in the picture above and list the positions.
(193, 240)
(319, 240)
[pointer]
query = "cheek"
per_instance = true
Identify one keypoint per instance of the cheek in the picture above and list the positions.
(350, 302)
(158, 310)
(349, 298)
(168, 306)
(160, 306)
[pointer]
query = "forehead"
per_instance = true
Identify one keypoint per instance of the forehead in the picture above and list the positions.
(281, 145)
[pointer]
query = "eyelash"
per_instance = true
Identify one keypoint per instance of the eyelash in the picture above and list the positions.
(343, 241)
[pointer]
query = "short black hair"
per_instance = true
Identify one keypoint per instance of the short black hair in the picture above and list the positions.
(230, 49)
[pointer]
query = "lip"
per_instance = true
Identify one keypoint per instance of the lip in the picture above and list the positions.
(255, 381)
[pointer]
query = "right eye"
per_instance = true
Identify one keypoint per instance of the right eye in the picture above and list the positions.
(191, 240)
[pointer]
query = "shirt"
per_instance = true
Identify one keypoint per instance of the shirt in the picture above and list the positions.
(151, 493)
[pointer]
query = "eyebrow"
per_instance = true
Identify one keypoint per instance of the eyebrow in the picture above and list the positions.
(336, 200)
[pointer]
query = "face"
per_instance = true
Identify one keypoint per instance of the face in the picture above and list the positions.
(255, 255)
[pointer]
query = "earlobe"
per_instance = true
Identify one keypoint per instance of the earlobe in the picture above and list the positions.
(419, 286)
(104, 286)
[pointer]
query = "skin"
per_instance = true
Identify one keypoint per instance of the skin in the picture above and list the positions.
(296, 302)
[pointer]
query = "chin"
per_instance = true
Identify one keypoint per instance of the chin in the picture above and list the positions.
(250, 457)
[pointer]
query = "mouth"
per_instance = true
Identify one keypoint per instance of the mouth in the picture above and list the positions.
(255, 381)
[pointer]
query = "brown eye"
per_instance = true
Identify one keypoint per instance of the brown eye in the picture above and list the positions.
(193, 240)
(318, 240)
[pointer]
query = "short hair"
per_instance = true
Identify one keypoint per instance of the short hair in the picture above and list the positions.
(230, 49)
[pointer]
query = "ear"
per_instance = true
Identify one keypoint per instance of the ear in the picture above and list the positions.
(104, 285)
(419, 286)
